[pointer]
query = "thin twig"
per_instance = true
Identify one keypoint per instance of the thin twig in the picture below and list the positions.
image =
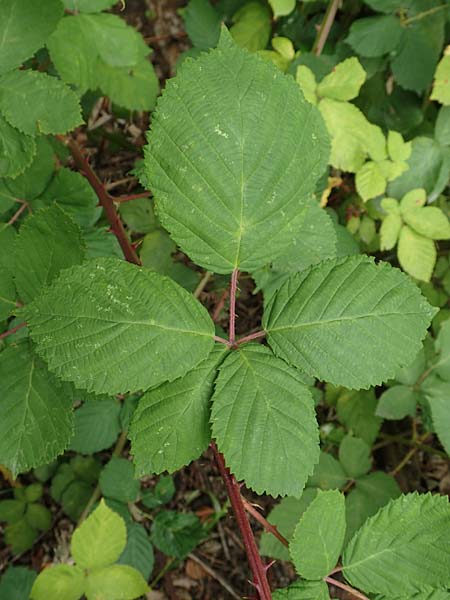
(215, 576)
(251, 336)
(264, 522)
(233, 290)
(259, 570)
(422, 15)
(203, 282)
(325, 27)
(17, 214)
(345, 587)
(96, 494)
(221, 340)
(11, 331)
(220, 305)
(409, 455)
(106, 200)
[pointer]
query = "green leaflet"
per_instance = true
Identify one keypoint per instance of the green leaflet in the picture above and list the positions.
(202, 23)
(37, 103)
(89, 6)
(170, 427)
(116, 582)
(375, 36)
(282, 7)
(37, 412)
(16, 150)
(416, 254)
(441, 87)
(24, 28)
(303, 590)
(100, 540)
(397, 402)
(234, 154)
(344, 81)
(437, 394)
(16, 583)
(110, 55)
(117, 480)
(251, 26)
(96, 426)
(7, 287)
(354, 456)
(403, 548)
(365, 322)
(48, 242)
(138, 552)
(74, 194)
(319, 535)
(328, 473)
(263, 420)
(60, 581)
(95, 325)
(371, 492)
(285, 516)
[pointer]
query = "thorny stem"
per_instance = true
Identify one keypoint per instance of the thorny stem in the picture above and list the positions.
(233, 290)
(345, 587)
(12, 330)
(258, 569)
(105, 199)
(325, 27)
(265, 523)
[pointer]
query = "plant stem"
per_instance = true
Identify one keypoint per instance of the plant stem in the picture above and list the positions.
(409, 455)
(17, 214)
(233, 290)
(221, 340)
(264, 522)
(425, 13)
(345, 587)
(11, 331)
(96, 494)
(258, 568)
(105, 199)
(133, 197)
(251, 336)
(201, 286)
(325, 27)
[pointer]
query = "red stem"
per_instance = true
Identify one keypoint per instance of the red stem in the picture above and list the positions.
(106, 200)
(265, 523)
(259, 570)
(233, 290)
(132, 197)
(11, 331)
(347, 588)
(221, 340)
(251, 336)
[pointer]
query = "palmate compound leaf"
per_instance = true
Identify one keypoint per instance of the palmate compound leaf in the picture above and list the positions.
(403, 548)
(348, 321)
(233, 157)
(264, 422)
(112, 327)
(170, 426)
(37, 420)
